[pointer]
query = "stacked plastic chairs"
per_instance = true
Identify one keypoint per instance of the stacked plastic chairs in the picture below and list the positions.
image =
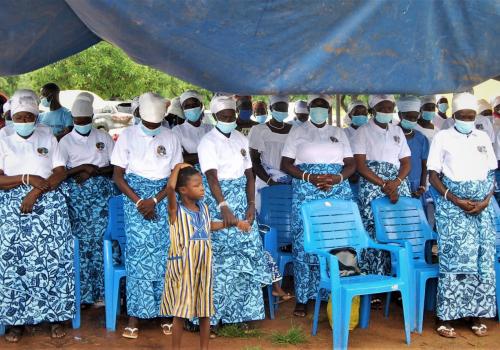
(332, 224)
(113, 273)
(404, 223)
(76, 321)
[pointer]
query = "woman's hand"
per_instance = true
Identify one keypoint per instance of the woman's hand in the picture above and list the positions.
(418, 192)
(478, 207)
(394, 197)
(250, 214)
(321, 181)
(30, 200)
(228, 217)
(39, 182)
(463, 204)
(390, 187)
(147, 208)
(81, 177)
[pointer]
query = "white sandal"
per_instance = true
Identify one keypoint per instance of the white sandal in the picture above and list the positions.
(130, 333)
(167, 328)
(480, 330)
(446, 332)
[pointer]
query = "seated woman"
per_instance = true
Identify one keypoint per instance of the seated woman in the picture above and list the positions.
(461, 164)
(85, 152)
(319, 159)
(383, 163)
(36, 244)
(143, 159)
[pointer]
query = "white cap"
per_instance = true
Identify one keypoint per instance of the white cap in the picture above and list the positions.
(278, 98)
(300, 107)
(354, 104)
(24, 100)
(134, 104)
(175, 108)
(189, 94)
(327, 98)
(152, 107)
(427, 99)
(482, 105)
(462, 101)
(82, 107)
(408, 104)
(374, 100)
(220, 103)
(6, 106)
(495, 101)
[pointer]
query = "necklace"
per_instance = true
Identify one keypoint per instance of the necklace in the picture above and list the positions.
(409, 133)
(277, 128)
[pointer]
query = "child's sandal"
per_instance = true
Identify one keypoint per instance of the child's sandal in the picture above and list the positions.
(167, 328)
(130, 333)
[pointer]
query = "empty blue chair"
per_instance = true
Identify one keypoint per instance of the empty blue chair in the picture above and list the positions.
(405, 223)
(332, 224)
(275, 212)
(497, 255)
(75, 322)
(270, 241)
(113, 273)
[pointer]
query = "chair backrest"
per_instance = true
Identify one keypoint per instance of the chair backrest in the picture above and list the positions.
(116, 222)
(403, 221)
(331, 224)
(497, 222)
(276, 211)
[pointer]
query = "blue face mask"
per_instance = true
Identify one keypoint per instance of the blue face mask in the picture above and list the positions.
(279, 116)
(318, 115)
(464, 127)
(151, 132)
(359, 120)
(408, 125)
(137, 120)
(245, 114)
(442, 107)
(261, 119)
(192, 114)
(24, 129)
(426, 115)
(384, 118)
(45, 102)
(226, 128)
(83, 129)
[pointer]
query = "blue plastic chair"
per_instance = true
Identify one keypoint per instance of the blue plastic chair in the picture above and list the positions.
(405, 223)
(76, 321)
(497, 255)
(113, 273)
(332, 224)
(276, 212)
(270, 241)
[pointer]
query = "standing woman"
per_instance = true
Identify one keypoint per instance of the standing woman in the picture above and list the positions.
(36, 244)
(301, 113)
(85, 152)
(383, 163)
(442, 107)
(358, 113)
(144, 157)
(58, 118)
(191, 132)
(319, 159)
(461, 164)
(425, 123)
(239, 265)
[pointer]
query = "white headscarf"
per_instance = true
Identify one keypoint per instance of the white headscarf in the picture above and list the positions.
(278, 98)
(220, 103)
(374, 100)
(462, 101)
(482, 105)
(82, 107)
(353, 104)
(6, 106)
(189, 94)
(152, 107)
(300, 107)
(175, 108)
(427, 99)
(327, 98)
(24, 100)
(495, 101)
(408, 104)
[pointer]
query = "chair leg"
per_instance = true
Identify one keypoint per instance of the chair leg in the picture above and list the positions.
(387, 304)
(346, 318)
(405, 298)
(2, 329)
(115, 305)
(108, 298)
(497, 268)
(337, 313)
(317, 304)
(270, 299)
(76, 320)
(420, 301)
(364, 317)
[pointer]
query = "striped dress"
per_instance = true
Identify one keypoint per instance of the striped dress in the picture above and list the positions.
(188, 281)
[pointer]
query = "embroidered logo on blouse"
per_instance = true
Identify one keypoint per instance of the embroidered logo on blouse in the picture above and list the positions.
(481, 149)
(397, 139)
(243, 153)
(100, 146)
(161, 151)
(479, 127)
(333, 139)
(42, 151)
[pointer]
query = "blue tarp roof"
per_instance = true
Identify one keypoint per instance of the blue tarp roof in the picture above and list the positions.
(264, 47)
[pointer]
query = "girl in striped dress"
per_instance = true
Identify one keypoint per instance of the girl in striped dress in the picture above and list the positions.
(188, 280)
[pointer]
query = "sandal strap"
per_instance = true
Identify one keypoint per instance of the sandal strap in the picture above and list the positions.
(444, 328)
(480, 327)
(131, 330)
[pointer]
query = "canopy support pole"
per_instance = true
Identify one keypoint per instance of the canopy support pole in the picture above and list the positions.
(337, 110)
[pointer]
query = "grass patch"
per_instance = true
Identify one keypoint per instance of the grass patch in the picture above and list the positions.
(235, 331)
(293, 336)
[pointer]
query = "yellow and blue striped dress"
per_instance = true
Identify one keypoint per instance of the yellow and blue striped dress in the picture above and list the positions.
(187, 291)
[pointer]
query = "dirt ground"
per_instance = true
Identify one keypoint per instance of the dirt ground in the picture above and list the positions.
(382, 333)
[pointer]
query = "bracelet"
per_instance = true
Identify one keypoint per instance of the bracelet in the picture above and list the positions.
(422, 187)
(341, 178)
(137, 203)
(269, 179)
(308, 177)
(22, 179)
(28, 180)
(446, 194)
(222, 204)
(400, 181)
(155, 200)
(383, 185)
(303, 176)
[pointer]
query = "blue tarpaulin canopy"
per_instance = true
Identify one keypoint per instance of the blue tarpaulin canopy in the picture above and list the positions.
(274, 46)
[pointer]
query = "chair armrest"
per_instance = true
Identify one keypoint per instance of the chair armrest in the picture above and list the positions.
(328, 260)
(402, 253)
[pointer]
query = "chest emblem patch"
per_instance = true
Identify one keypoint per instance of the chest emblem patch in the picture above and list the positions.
(479, 127)
(42, 151)
(333, 139)
(243, 153)
(100, 146)
(161, 151)
(397, 139)
(481, 149)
